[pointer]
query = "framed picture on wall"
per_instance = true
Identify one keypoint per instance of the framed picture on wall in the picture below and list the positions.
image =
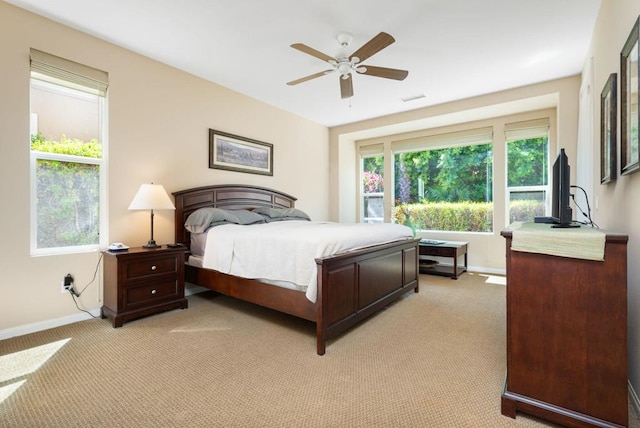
(629, 112)
(608, 109)
(235, 153)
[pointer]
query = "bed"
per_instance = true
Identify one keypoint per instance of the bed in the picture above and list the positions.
(350, 286)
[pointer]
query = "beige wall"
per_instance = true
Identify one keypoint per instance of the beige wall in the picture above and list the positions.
(486, 250)
(158, 131)
(618, 202)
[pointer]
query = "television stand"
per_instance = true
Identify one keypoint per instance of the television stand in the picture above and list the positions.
(566, 322)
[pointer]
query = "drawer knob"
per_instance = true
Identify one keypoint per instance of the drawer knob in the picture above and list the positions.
(153, 291)
(153, 267)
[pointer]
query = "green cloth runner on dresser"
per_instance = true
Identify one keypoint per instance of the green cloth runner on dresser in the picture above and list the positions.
(579, 242)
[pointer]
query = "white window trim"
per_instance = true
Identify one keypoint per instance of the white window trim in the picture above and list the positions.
(101, 162)
(527, 129)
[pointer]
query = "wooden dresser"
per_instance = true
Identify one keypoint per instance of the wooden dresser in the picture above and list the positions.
(140, 282)
(567, 336)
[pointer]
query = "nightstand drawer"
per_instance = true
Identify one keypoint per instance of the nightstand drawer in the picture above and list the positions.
(146, 294)
(145, 267)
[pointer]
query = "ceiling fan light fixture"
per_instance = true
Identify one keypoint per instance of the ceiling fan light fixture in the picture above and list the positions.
(344, 68)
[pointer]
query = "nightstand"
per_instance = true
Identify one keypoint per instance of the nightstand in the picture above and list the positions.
(141, 281)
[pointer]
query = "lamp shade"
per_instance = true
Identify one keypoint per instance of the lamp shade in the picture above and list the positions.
(151, 197)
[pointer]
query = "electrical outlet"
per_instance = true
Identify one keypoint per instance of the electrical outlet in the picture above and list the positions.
(67, 283)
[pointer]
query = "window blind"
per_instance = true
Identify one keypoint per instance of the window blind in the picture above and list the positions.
(527, 129)
(70, 74)
(371, 150)
(451, 139)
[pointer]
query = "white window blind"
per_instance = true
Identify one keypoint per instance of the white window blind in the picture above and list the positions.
(371, 150)
(450, 139)
(527, 129)
(70, 74)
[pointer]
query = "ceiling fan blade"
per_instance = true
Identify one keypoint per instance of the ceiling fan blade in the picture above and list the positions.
(311, 51)
(346, 87)
(312, 76)
(373, 46)
(387, 73)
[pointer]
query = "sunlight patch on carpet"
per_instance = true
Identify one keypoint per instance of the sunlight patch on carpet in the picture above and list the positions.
(6, 391)
(494, 279)
(22, 363)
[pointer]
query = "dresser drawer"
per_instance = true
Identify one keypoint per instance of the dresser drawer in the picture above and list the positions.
(148, 266)
(147, 294)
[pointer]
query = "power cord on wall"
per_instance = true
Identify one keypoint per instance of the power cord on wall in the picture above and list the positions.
(590, 222)
(75, 293)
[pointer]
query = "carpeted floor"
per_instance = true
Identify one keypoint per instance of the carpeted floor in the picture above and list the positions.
(433, 359)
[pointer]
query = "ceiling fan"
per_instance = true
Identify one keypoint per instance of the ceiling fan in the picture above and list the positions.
(345, 65)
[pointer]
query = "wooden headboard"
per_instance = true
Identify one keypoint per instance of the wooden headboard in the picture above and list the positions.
(229, 196)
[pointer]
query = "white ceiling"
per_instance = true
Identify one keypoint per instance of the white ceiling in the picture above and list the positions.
(453, 49)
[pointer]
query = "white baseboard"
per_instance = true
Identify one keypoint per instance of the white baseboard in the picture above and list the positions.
(489, 271)
(45, 325)
(70, 319)
(634, 399)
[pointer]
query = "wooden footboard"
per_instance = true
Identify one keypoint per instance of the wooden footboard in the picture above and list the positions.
(354, 285)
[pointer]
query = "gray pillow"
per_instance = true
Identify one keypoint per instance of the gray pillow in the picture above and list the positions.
(280, 214)
(247, 217)
(201, 219)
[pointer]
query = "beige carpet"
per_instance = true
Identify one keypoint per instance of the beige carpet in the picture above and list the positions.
(433, 359)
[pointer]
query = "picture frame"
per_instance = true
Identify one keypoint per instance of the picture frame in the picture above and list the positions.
(629, 98)
(608, 133)
(235, 153)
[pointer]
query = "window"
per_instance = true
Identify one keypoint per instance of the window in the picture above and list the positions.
(528, 192)
(372, 170)
(445, 182)
(67, 155)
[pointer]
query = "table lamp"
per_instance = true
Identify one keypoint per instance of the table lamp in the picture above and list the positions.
(151, 197)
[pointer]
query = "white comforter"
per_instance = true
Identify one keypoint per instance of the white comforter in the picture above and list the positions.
(286, 250)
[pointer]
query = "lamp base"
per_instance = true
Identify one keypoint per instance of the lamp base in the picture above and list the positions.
(151, 244)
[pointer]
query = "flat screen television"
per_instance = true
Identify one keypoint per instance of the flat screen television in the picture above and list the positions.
(561, 212)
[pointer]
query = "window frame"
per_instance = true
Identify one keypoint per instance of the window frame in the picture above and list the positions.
(363, 195)
(520, 131)
(470, 135)
(101, 163)
(498, 123)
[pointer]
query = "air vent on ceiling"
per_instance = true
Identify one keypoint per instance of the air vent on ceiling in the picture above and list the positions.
(413, 98)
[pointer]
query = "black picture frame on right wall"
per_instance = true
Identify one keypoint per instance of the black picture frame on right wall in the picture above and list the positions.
(608, 124)
(629, 97)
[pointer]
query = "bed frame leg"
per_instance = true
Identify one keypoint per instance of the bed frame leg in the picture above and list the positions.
(321, 348)
(320, 337)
